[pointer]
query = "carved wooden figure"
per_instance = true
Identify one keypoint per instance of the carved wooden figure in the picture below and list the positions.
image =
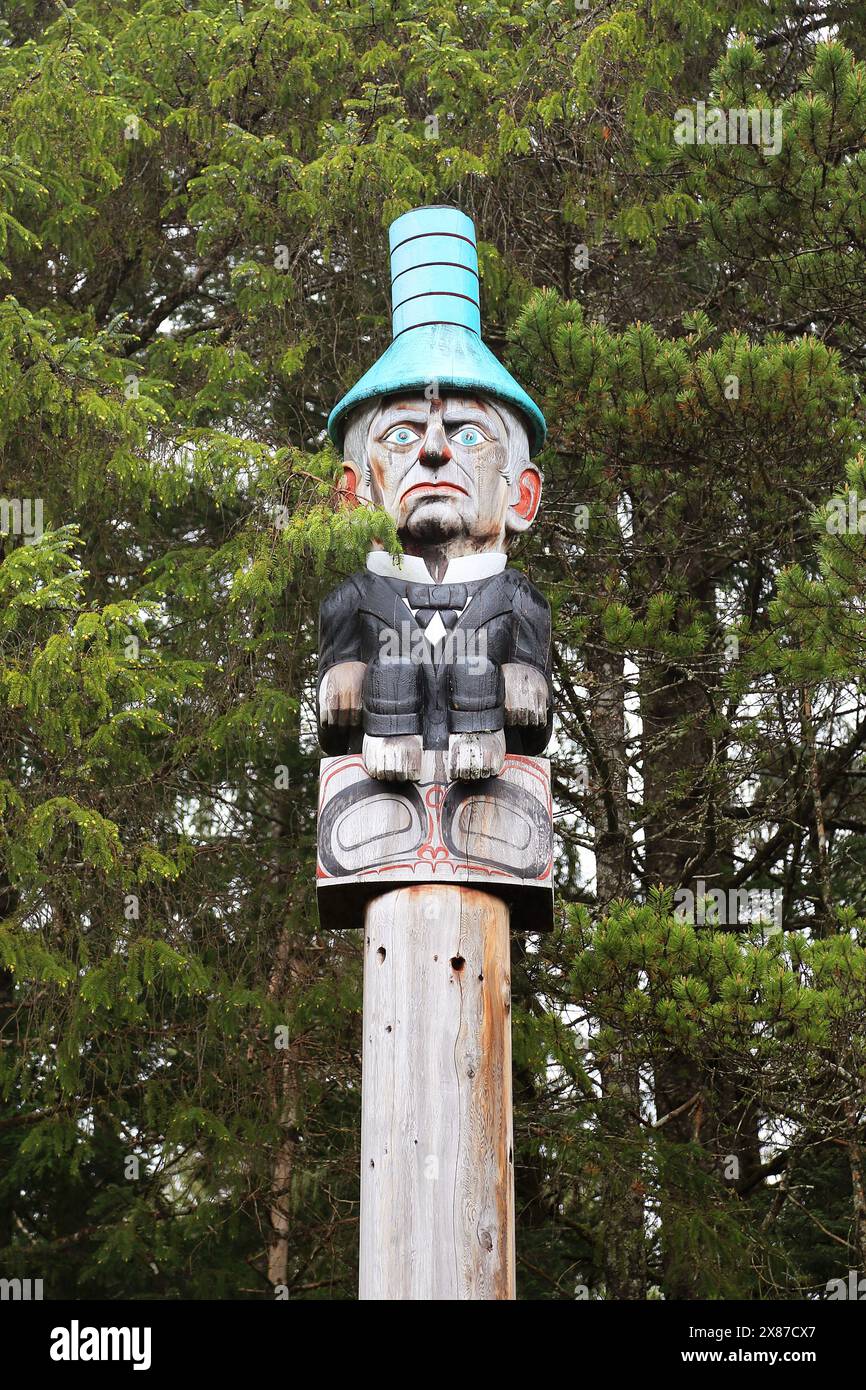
(435, 823)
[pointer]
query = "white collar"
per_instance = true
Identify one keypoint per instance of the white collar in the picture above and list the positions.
(461, 570)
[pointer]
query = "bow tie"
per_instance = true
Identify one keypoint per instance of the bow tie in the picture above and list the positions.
(448, 600)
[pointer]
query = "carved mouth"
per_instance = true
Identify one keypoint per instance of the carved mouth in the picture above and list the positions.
(434, 487)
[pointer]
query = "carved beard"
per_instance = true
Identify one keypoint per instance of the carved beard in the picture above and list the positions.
(434, 520)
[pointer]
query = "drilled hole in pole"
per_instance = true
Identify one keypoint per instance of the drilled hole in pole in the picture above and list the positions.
(457, 963)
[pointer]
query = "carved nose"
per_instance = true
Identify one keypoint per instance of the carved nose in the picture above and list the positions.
(435, 451)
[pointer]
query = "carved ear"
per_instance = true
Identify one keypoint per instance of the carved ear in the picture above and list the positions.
(522, 513)
(349, 489)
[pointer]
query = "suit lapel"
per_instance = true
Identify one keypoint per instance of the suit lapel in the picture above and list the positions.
(495, 596)
(384, 601)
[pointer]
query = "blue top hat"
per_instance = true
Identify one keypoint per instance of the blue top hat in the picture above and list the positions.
(436, 321)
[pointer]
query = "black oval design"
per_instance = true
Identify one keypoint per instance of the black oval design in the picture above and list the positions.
(351, 796)
(517, 802)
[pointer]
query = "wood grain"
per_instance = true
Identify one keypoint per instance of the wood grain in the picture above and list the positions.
(437, 1179)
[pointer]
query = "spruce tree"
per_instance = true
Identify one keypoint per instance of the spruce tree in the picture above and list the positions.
(193, 203)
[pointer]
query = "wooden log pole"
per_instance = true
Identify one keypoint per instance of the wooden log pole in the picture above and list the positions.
(437, 1169)
(434, 705)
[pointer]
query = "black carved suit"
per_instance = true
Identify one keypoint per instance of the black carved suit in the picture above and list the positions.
(505, 616)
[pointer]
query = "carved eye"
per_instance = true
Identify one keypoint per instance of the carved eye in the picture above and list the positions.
(401, 434)
(468, 436)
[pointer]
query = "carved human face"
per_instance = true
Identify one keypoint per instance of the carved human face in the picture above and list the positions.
(444, 470)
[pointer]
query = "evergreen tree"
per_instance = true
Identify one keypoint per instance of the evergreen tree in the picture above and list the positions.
(192, 209)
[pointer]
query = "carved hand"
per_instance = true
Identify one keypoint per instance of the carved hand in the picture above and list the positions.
(474, 756)
(396, 758)
(340, 694)
(526, 694)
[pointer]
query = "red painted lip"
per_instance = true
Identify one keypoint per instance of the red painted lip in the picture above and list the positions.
(430, 487)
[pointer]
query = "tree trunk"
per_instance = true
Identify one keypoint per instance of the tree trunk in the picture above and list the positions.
(624, 1236)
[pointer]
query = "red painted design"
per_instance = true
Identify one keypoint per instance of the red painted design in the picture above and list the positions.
(432, 857)
(432, 852)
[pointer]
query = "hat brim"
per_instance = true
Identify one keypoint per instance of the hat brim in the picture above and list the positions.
(452, 356)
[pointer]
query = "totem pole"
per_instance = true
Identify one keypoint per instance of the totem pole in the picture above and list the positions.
(435, 827)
